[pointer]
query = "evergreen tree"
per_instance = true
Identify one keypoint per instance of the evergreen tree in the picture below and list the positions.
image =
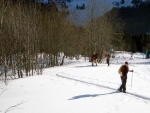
(122, 1)
(136, 2)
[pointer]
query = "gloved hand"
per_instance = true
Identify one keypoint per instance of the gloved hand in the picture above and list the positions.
(131, 71)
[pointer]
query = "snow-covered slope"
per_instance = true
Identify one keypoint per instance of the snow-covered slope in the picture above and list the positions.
(79, 87)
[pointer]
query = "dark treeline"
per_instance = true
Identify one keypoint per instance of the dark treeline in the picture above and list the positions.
(136, 26)
(32, 36)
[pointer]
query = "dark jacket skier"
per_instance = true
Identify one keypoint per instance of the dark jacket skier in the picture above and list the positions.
(94, 58)
(107, 58)
(124, 71)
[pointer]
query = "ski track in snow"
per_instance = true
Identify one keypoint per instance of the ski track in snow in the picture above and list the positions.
(119, 60)
(78, 87)
(103, 86)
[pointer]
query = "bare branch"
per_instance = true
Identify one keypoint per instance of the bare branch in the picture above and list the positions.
(15, 106)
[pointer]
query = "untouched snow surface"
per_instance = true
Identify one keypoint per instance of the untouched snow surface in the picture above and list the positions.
(77, 87)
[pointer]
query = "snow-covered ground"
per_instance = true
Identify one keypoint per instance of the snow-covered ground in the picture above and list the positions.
(77, 87)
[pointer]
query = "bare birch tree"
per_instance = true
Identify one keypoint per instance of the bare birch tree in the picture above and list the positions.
(99, 31)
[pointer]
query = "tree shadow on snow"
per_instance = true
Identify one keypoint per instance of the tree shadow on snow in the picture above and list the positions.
(83, 66)
(87, 66)
(95, 95)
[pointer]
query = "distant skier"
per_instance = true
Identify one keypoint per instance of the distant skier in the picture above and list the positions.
(124, 71)
(94, 58)
(107, 56)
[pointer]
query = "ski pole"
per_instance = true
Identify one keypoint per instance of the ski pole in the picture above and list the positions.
(131, 80)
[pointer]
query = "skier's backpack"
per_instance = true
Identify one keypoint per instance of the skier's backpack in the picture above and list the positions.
(119, 71)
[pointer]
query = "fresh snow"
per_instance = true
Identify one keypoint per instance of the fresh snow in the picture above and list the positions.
(78, 87)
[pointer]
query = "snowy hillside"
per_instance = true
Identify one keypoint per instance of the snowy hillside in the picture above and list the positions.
(78, 87)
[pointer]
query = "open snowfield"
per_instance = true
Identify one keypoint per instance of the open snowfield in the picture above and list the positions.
(77, 87)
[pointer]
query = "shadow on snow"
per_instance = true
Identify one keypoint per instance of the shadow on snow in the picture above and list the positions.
(90, 95)
(94, 95)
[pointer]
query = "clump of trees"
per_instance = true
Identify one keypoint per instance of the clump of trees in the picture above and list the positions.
(32, 36)
(136, 26)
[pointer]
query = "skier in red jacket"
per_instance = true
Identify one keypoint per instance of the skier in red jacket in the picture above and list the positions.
(124, 71)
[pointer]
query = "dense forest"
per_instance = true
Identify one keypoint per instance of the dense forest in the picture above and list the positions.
(136, 28)
(33, 35)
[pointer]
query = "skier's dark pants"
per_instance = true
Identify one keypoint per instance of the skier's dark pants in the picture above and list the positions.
(123, 85)
(94, 61)
(107, 62)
